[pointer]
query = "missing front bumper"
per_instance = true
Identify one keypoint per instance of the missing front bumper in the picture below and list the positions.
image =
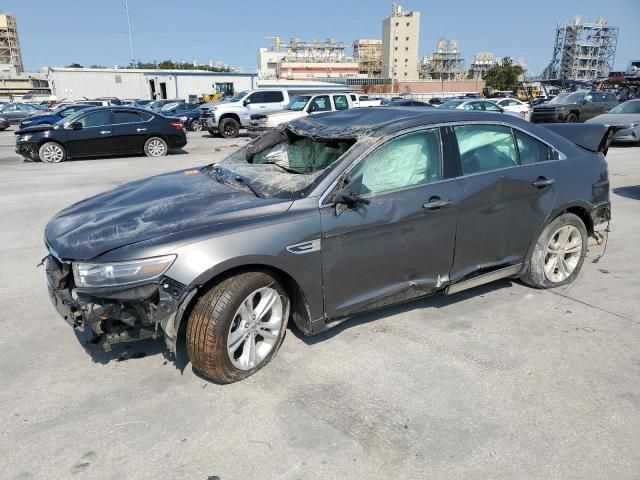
(117, 315)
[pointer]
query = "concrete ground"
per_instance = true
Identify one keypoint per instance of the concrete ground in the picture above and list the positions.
(500, 382)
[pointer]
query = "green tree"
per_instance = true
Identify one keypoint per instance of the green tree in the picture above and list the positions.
(503, 76)
(75, 65)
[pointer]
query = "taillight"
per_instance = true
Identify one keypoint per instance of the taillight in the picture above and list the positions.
(176, 125)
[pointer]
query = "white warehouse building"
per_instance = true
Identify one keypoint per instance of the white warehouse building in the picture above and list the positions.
(189, 85)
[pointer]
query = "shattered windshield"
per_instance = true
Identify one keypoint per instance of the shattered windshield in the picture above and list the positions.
(297, 103)
(280, 164)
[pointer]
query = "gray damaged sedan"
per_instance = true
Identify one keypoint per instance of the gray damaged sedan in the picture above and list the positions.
(625, 118)
(321, 219)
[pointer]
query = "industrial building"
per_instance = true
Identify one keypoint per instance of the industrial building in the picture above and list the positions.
(445, 63)
(582, 51)
(368, 53)
(482, 61)
(301, 60)
(10, 53)
(79, 83)
(400, 38)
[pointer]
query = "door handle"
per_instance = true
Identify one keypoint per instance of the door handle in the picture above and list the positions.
(542, 182)
(104, 132)
(141, 129)
(436, 203)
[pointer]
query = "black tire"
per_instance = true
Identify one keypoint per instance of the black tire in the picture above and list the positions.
(52, 152)
(572, 118)
(535, 275)
(229, 128)
(211, 321)
(155, 147)
(212, 132)
(196, 125)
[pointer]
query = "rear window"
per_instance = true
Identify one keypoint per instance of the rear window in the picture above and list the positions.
(485, 147)
(126, 117)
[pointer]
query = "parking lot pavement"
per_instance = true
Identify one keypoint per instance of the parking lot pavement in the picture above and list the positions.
(503, 381)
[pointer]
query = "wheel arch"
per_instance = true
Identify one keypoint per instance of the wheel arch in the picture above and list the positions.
(299, 307)
(233, 115)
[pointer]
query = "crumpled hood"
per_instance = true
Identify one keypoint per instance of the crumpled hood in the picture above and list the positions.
(149, 208)
(616, 119)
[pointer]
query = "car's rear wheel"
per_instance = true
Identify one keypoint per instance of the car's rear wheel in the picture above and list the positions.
(572, 118)
(155, 147)
(196, 125)
(52, 152)
(559, 253)
(237, 326)
(229, 128)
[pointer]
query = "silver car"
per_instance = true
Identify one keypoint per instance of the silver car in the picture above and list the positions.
(15, 112)
(626, 117)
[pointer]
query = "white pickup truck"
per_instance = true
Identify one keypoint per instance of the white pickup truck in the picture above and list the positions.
(359, 100)
(228, 116)
(299, 106)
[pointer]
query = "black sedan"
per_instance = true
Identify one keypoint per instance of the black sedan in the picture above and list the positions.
(99, 131)
(325, 217)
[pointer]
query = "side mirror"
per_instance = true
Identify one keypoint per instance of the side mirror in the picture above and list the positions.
(348, 196)
(76, 126)
(246, 102)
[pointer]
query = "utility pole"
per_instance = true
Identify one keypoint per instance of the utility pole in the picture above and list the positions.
(126, 8)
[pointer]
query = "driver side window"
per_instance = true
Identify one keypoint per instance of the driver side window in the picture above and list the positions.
(412, 159)
(96, 119)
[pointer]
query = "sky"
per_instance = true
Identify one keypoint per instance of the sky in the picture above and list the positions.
(94, 32)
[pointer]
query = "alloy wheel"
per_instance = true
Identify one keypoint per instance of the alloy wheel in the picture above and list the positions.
(196, 126)
(255, 328)
(563, 253)
(53, 153)
(156, 148)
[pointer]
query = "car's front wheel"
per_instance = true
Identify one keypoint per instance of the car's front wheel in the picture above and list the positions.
(559, 253)
(572, 118)
(52, 152)
(155, 147)
(237, 326)
(229, 128)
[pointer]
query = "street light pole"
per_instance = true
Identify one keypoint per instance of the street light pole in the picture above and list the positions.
(126, 8)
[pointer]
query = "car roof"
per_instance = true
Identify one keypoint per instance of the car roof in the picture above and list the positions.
(380, 121)
(117, 107)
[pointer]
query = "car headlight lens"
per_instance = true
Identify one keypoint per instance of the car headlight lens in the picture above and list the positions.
(120, 273)
(25, 138)
(635, 125)
(24, 122)
(183, 119)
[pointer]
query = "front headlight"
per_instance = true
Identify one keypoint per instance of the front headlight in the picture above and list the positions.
(634, 125)
(120, 273)
(25, 138)
(24, 122)
(183, 119)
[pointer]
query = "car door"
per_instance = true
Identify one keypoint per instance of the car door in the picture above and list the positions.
(503, 204)
(590, 107)
(319, 104)
(94, 137)
(340, 102)
(130, 130)
(400, 244)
